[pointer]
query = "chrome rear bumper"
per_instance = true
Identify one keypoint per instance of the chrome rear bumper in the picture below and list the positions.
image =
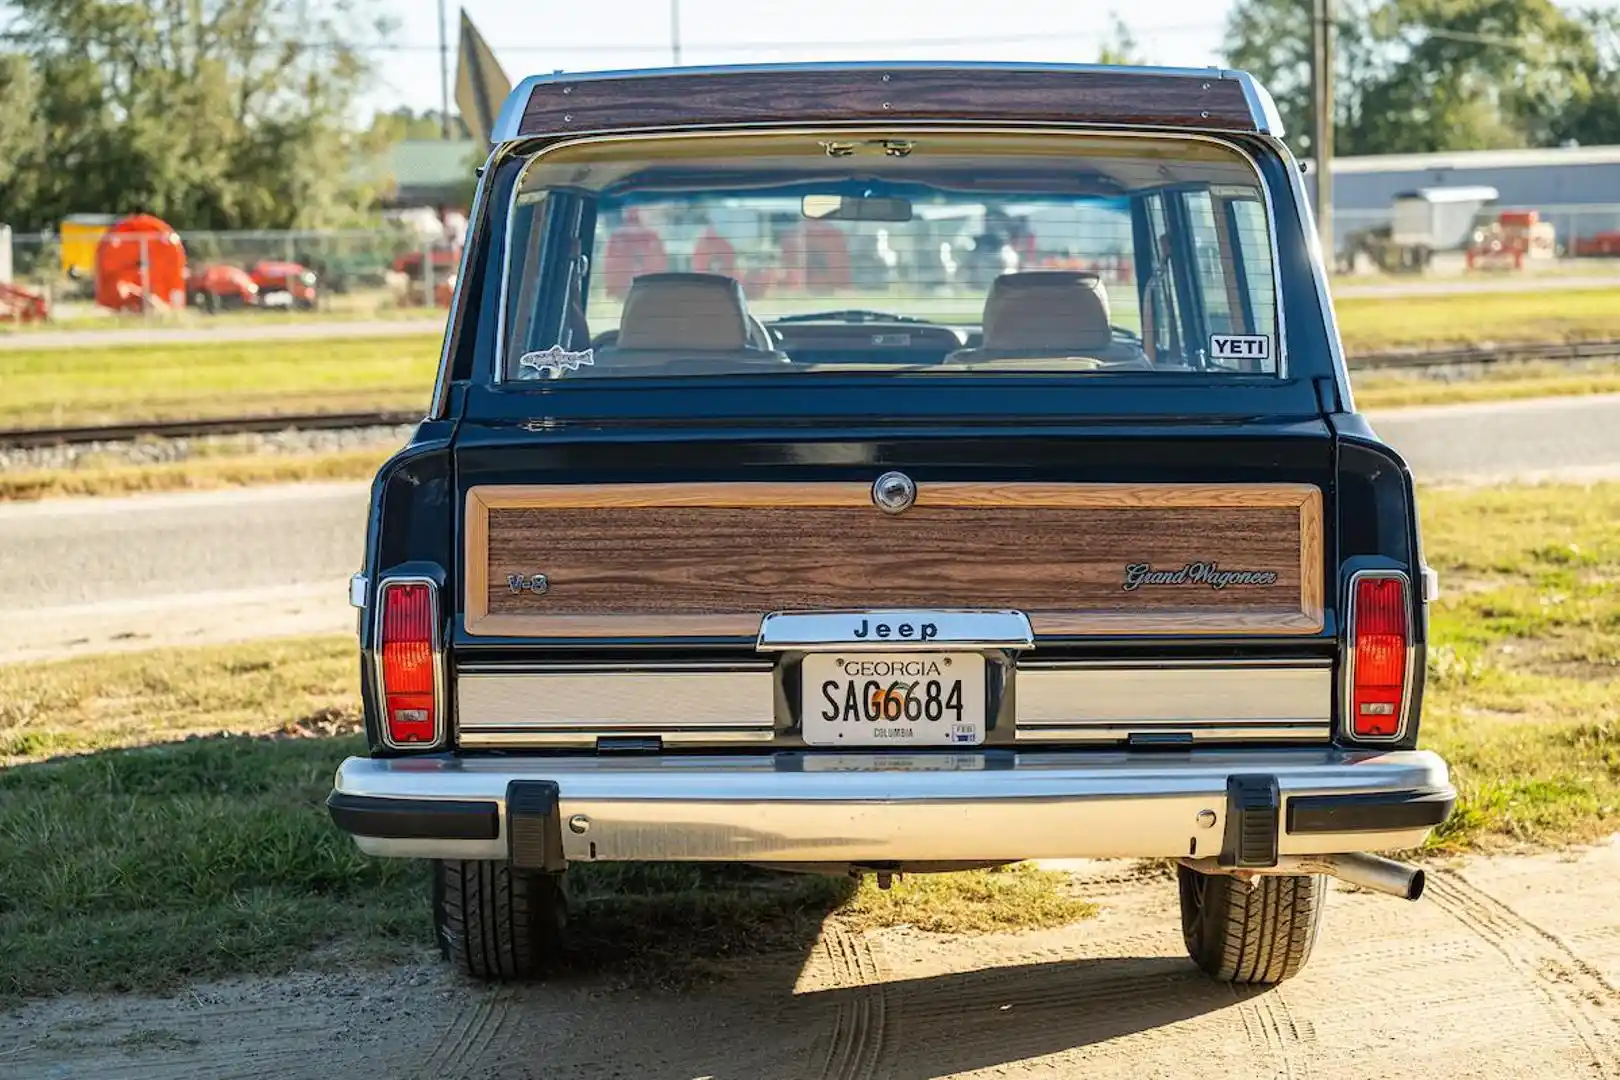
(825, 808)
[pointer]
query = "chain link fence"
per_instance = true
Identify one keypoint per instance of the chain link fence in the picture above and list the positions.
(86, 273)
(1582, 234)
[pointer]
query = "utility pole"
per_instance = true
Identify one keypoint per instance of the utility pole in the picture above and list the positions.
(675, 32)
(444, 77)
(1323, 24)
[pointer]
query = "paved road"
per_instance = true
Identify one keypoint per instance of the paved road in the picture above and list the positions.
(94, 574)
(87, 575)
(1549, 438)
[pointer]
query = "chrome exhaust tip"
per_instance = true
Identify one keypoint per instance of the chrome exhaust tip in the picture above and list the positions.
(1358, 868)
(1377, 873)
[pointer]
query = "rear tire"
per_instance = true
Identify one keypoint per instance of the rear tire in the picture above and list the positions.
(1240, 934)
(497, 923)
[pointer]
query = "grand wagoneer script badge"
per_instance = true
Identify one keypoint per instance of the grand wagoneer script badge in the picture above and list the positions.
(1138, 575)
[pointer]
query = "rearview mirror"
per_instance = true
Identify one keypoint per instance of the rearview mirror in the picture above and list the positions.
(855, 208)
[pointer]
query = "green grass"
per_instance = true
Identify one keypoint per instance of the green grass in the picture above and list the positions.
(1524, 672)
(64, 387)
(161, 820)
(191, 475)
(143, 869)
(1378, 324)
(1392, 389)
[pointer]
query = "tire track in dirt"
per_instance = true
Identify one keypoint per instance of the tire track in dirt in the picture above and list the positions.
(463, 1044)
(1272, 1031)
(861, 1032)
(1577, 994)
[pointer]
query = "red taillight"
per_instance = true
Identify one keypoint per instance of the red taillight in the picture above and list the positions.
(1382, 640)
(409, 707)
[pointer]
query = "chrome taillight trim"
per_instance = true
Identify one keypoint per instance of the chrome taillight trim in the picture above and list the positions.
(1347, 685)
(381, 688)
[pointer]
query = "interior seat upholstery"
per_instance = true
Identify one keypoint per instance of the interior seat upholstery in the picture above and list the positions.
(1044, 313)
(686, 313)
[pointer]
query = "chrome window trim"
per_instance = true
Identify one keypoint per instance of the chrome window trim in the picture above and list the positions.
(1313, 254)
(440, 401)
(1347, 683)
(438, 662)
(509, 121)
(1267, 120)
(502, 345)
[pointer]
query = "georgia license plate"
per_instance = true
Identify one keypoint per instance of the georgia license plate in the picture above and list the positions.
(893, 699)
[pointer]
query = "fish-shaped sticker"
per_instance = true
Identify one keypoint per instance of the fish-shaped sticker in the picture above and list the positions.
(555, 360)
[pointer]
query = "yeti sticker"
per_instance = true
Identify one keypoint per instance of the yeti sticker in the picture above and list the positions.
(551, 363)
(1249, 347)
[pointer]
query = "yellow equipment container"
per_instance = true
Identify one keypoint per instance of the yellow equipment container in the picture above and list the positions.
(80, 233)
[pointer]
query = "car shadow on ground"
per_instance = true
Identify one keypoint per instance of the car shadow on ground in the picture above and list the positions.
(215, 857)
(907, 1029)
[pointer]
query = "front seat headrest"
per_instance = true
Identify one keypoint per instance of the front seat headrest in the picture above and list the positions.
(1047, 311)
(696, 312)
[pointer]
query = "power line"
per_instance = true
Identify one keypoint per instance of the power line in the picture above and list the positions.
(756, 46)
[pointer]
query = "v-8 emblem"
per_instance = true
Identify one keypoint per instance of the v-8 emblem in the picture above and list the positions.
(520, 584)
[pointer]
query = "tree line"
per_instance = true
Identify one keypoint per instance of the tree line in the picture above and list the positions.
(212, 114)
(1415, 76)
(241, 114)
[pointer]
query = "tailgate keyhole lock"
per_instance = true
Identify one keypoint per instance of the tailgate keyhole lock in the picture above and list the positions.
(894, 492)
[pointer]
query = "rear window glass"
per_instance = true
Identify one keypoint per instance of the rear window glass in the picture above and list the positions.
(806, 253)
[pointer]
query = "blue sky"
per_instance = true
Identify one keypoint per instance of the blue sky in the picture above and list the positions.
(531, 36)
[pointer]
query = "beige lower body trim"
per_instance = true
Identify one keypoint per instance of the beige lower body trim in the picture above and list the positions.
(1089, 703)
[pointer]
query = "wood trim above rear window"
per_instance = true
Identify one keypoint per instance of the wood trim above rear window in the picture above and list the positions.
(965, 94)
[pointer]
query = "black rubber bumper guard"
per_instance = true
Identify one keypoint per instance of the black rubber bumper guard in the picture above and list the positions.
(534, 818)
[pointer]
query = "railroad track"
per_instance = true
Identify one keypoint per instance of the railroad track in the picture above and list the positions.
(1556, 352)
(187, 429)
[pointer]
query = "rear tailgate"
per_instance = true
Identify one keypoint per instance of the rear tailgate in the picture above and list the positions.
(1178, 582)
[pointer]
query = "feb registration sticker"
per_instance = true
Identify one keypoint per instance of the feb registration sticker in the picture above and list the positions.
(1239, 347)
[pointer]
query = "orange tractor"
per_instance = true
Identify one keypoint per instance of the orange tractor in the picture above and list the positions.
(1515, 236)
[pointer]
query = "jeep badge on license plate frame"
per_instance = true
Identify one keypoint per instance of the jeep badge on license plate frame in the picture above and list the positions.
(898, 699)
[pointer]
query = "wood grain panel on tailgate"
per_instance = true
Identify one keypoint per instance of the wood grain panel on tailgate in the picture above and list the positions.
(651, 560)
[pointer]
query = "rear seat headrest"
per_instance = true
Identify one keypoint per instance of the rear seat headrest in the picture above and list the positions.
(1047, 311)
(684, 311)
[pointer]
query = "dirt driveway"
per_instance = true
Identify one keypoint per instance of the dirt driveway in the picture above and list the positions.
(1509, 967)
